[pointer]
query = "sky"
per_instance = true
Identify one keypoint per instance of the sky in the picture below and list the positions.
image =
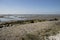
(29, 6)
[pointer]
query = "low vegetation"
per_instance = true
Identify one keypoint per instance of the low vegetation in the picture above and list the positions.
(33, 31)
(7, 24)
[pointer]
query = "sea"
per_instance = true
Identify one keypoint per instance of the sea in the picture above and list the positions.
(14, 17)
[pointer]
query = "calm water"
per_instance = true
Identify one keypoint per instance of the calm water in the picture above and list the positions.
(26, 16)
(10, 18)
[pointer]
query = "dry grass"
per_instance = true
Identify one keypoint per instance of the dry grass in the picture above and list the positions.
(34, 31)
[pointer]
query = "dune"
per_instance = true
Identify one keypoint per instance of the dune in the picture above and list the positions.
(32, 31)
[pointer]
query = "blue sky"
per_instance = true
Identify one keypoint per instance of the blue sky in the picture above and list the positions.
(29, 6)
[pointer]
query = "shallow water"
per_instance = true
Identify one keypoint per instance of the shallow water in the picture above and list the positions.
(10, 18)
